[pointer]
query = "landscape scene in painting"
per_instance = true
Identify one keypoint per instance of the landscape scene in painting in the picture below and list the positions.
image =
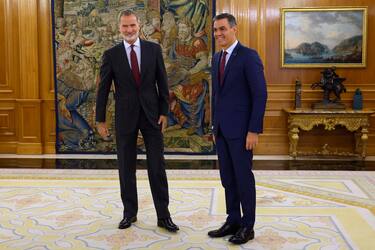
(324, 37)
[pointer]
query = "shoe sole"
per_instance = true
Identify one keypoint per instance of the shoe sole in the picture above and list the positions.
(240, 243)
(219, 236)
(173, 231)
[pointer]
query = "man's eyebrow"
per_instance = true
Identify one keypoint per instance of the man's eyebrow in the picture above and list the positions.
(221, 27)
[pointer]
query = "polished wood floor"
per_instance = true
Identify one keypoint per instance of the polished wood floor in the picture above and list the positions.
(346, 165)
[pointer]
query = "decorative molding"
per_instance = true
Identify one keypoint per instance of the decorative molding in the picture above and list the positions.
(29, 148)
(45, 51)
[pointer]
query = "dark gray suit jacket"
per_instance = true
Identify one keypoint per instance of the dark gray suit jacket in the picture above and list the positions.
(152, 94)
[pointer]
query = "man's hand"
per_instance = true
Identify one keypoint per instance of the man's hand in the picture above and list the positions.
(163, 122)
(251, 140)
(102, 129)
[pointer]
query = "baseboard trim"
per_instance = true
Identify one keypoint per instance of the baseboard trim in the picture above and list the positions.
(167, 157)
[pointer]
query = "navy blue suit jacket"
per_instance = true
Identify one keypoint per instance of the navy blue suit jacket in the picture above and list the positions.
(239, 103)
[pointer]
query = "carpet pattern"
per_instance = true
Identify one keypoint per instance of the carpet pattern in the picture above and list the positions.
(80, 209)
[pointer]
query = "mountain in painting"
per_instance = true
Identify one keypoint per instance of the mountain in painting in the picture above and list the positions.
(349, 46)
(311, 49)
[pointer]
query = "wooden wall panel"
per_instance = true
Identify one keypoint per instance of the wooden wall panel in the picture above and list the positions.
(2, 44)
(9, 49)
(9, 73)
(8, 130)
(45, 52)
(29, 126)
(27, 85)
(8, 127)
(20, 108)
(46, 76)
(48, 126)
(28, 24)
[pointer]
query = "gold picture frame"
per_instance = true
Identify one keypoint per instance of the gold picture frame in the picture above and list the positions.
(323, 37)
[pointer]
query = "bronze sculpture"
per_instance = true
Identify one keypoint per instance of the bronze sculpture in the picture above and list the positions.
(330, 82)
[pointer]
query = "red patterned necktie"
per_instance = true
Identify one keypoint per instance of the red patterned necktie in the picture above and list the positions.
(135, 67)
(222, 67)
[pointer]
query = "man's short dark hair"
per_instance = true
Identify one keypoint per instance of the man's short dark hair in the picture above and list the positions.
(231, 19)
(127, 13)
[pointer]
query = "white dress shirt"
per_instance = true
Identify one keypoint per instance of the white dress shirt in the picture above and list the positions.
(230, 51)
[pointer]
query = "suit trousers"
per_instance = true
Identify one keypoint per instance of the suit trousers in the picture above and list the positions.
(127, 159)
(237, 179)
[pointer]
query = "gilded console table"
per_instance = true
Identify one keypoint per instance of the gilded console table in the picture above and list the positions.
(305, 119)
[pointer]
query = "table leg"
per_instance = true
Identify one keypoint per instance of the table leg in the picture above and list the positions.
(358, 144)
(293, 141)
(364, 139)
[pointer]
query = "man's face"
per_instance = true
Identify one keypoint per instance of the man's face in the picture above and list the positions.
(224, 34)
(129, 28)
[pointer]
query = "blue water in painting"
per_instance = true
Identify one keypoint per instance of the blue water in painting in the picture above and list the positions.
(299, 58)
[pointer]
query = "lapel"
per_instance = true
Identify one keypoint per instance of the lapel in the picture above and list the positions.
(229, 63)
(215, 69)
(144, 52)
(123, 60)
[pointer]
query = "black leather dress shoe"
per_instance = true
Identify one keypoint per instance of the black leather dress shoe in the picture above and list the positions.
(243, 235)
(127, 222)
(224, 230)
(168, 224)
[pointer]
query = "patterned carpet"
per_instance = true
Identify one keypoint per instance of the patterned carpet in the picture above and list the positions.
(80, 209)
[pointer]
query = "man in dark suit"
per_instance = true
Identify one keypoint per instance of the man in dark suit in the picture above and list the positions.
(239, 100)
(141, 93)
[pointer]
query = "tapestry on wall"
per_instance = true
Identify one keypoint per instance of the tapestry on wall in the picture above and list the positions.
(84, 29)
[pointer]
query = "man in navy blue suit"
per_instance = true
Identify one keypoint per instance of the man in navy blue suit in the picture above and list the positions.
(239, 101)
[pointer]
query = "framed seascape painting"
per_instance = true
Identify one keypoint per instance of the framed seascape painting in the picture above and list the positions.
(323, 37)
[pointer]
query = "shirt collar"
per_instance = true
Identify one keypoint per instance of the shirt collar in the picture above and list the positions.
(231, 48)
(137, 43)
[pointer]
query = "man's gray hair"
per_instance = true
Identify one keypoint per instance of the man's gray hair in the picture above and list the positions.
(231, 19)
(127, 13)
